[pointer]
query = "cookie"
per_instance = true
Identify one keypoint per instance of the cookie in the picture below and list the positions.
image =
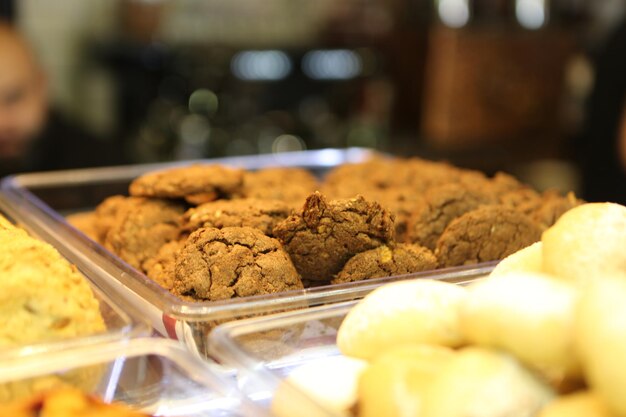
(86, 223)
(439, 206)
(197, 184)
(259, 214)
(291, 185)
(106, 214)
(217, 264)
(385, 261)
(322, 238)
(42, 296)
(142, 227)
(401, 202)
(160, 268)
(485, 234)
(553, 205)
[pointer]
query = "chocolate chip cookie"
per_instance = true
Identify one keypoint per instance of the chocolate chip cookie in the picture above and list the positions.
(322, 238)
(197, 184)
(485, 234)
(259, 214)
(217, 264)
(386, 261)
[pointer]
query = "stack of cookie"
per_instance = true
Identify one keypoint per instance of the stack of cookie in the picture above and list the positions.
(209, 232)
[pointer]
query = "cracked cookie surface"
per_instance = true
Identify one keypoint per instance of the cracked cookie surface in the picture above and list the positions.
(322, 238)
(197, 184)
(141, 227)
(217, 264)
(385, 261)
(438, 208)
(485, 234)
(259, 214)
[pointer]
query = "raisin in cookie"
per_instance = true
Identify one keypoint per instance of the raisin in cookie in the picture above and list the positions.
(196, 183)
(217, 264)
(486, 234)
(322, 238)
(142, 227)
(385, 261)
(249, 212)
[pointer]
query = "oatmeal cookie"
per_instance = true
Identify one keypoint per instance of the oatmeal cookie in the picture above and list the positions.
(322, 238)
(86, 223)
(142, 227)
(196, 183)
(42, 296)
(106, 215)
(438, 208)
(160, 268)
(217, 264)
(385, 261)
(485, 234)
(291, 185)
(249, 212)
(554, 205)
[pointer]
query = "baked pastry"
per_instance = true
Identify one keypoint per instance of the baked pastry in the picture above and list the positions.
(106, 214)
(66, 402)
(86, 223)
(486, 234)
(291, 185)
(438, 208)
(141, 227)
(322, 238)
(385, 261)
(259, 214)
(553, 205)
(42, 296)
(217, 264)
(160, 268)
(197, 184)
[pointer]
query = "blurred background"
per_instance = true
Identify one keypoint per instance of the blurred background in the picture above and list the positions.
(487, 84)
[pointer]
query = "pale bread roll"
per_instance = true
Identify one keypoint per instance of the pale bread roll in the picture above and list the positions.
(529, 315)
(331, 382)
(586, 243)
(529, 259)
(580, 404)
(408, 312)
(484, 383)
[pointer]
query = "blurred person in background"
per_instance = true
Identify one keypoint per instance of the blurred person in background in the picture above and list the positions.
(34, 137)
(602, 152)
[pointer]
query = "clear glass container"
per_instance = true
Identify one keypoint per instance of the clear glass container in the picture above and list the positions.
(41, 200)
(155, 376)
(266, 350)
(122, 320)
